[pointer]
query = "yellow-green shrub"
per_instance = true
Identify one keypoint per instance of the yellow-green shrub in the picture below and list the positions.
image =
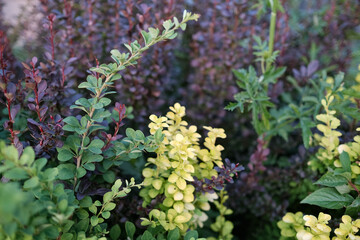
(308, 227)
(179, 159)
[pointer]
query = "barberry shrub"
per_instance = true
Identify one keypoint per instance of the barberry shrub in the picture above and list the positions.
(179, 161)
(337, 161)
(51, 198)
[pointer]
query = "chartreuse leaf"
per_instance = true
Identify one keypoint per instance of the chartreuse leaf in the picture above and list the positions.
(328, 198)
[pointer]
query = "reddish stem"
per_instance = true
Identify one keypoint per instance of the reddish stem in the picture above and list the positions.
(118, 125)
(34, 75)
(354, 187)
(52, 36)
(8, 100)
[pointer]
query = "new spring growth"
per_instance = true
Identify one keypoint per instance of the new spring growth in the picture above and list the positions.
(309, 227)
(179, 160)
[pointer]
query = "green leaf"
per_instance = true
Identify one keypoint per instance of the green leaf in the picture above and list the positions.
(89, 166)
(115, 232)
(128, 47)
(92, 80)
(232, 106)
(40, 163)
(110, 206)
(95, 146)
(67, 225)
(62, 205)
(65, 155)
(357, 180)
(109, 176)
(106, 214)
(82, 225)
(146, 36)
(80, 172)
(328, 198)
(343, 189)
(154, 32)
(93, 209)
(345, 161)
(66, 171)
(100, 115)
(94, 220)
(107, 197)
(81, 213)
(83, 122)
(168, 24)
(105, 101)
(130, 133)
(305, 124)
(116, 186)
(97, 106)
(84, 85)
(32, 182)
(191, 234)
(139, 136)
(67, 236)
(147, 236)
(331, 180)
(115, 77)
(159, 137)
(183, 26)
(51, 232)
(69, 128)
(16, 174)
(172, 36)
(174, 234)
(28, 156)
(89, 157)
(338, 80)
(86, 202)
(72, 121)
(83, 102)
(50, 174)
(341, 172)
(354, 208)
(130, 229)
(11, 153)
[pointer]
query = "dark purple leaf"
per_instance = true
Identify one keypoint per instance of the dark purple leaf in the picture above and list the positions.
(42, 86)
(14, 111)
